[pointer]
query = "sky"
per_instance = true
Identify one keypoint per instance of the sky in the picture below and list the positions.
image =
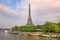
(15, 12)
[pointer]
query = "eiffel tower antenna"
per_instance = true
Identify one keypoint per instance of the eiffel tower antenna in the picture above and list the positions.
(29, 21)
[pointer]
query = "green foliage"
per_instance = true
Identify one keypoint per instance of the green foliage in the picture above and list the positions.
(28, 28)
(48, 26)
(44, 28)
(25, 28)
(55, 27)
(16, 28)
(38, 26)
(59, 24)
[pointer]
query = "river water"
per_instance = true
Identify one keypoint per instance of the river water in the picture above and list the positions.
(5, 36)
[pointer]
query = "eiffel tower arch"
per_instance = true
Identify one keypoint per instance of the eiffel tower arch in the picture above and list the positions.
(29, 21)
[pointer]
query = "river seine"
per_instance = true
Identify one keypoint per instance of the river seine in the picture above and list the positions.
(5, 36)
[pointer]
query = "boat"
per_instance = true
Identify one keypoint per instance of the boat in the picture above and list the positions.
(35, 34)
(50, 36)
(6, 31)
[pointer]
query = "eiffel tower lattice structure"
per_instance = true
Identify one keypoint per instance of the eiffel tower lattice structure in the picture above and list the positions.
(29, 21)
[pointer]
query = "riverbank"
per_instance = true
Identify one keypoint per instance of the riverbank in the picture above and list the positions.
(40, 34)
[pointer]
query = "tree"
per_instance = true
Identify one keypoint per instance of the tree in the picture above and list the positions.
(59, 24)
(27, 28)
(16, 28)
(47, 27)
(38, 26)
(55, 27)
(50, 27)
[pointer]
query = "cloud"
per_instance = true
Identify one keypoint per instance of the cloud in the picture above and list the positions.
(41, 10)
(8, 17)
(8, 10)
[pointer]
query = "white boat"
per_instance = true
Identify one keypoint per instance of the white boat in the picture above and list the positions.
(45, 35)
(50, 36)
(6, 31)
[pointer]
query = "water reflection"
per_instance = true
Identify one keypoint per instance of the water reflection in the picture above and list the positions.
(4, 36)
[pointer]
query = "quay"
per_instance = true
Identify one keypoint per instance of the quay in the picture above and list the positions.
(40, 34)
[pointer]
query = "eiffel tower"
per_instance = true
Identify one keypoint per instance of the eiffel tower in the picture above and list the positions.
(29, 21)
